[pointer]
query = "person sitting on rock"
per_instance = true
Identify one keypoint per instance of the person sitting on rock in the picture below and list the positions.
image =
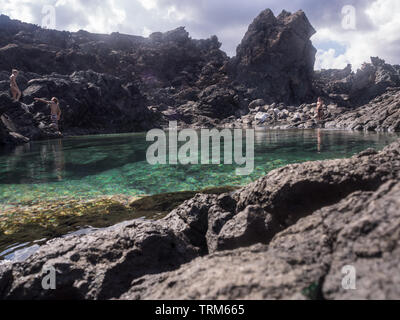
(15, 92)
(320, 110)
(55, 110)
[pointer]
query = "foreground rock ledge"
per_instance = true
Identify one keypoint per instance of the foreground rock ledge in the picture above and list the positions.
(286, 236)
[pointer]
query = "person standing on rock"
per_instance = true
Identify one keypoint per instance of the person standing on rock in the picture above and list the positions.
(320, 110)
(55, 110)
(15, 92)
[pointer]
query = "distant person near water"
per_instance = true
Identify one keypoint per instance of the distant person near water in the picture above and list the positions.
(320, 109)
(55, 110)
(15, 92)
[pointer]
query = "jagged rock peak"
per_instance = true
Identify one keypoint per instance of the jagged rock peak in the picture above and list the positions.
(277, 57)
(297, 20)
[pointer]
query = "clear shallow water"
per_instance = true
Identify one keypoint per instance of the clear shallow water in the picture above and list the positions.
(91, 166)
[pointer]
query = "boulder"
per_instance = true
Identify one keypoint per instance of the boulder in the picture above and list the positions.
(90, 103)
(102, 265)
(276, 56)
(261, 117)
(253, 225)
(306, 261)
(218, 102)
(256, 103)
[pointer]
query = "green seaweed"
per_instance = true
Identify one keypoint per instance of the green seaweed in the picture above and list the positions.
(48, 220)
(54, 219)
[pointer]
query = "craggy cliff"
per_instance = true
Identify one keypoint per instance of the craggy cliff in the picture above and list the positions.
(276, 57)
(121, 83)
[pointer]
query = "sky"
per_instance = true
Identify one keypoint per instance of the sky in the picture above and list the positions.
(348, 31)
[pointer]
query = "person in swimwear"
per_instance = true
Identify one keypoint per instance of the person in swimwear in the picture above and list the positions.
(15, 92)
(320, 111)
(55, 109)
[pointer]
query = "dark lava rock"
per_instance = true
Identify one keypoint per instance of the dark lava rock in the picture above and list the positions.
(303, 262)
(162, 60)
(94, 103)
(166, 202)
(19, 125)
(101, 265)
(122, 83)
(253, 225)
(380, 114)
(107, 82)
(218, 102)
(90, 103)
(358, 88)
(277, 58)
(297, 190)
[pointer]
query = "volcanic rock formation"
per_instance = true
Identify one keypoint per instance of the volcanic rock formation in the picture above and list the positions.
(122, 83)
(276, 57)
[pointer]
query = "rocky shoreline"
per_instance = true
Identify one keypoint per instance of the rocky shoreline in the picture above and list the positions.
(382, 114)
(286, 236)
(120, 83)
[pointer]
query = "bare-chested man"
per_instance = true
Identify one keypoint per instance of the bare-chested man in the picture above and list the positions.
(55, 110)
(15, 92)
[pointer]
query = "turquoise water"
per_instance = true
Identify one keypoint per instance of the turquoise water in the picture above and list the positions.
(91, 166)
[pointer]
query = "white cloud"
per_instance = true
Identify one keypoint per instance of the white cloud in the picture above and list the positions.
(381, 40)
(106, 19)
(17, 10)
(378, 32)
(175, 15)
(148, 4)
(385, 14)
(328, 59)
(99, 19)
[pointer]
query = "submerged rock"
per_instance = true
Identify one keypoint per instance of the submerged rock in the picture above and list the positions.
(166, 202)
(41, 221)
(47, 220)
